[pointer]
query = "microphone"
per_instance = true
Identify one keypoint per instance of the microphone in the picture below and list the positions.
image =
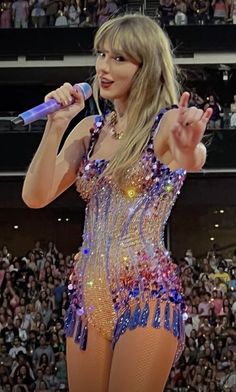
(48, 107)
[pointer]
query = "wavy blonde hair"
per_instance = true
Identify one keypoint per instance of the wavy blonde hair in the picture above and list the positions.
(154, 85)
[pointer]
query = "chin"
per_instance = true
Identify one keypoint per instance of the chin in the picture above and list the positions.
(107, 95)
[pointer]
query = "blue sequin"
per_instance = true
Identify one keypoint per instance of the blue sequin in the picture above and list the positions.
(167, 317)
(121, 326)
(70, 320)
(126, 320)
(144, 316)
(175, 324)
(157, 316)
(134, 319)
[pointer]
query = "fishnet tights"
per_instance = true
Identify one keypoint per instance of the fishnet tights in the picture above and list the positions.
(141, 362)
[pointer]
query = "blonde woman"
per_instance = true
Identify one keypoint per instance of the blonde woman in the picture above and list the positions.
(125, 322)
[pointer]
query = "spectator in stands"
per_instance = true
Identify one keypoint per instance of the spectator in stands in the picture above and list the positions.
(217, 113)
(180, 10)
(233, 113)
(201, 14)
(222, 274)
(9, 333)
(91, 10)
(220, 11)
(112, 8)
(51, 379)
(204, 305)
(229, 379)
(20, 387)
(232, 11)
(6, 14)
(23, 371)
(51, 8)
(40, 383)
(73, 11)
(189, 257)
(166, 10)
(5, 358)
(43, 348)
(61, 19)
(195, 98)
(20, 13)
(102, 12)
(61, 369)
(16, 348)
(217, 302)
(232, 282)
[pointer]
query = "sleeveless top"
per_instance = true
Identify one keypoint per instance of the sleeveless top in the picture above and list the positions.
(123, 263)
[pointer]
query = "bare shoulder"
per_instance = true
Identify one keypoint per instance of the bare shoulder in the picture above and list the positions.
(81, 133)
(83, 127)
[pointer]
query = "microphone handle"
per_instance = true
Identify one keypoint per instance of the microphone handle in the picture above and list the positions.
(48, 107)
(39, 111)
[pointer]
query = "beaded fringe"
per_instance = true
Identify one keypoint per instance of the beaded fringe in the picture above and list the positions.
(81, 335)
(139, 318)
(128, 320)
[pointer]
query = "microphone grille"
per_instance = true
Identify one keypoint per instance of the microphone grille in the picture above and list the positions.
(85, 88)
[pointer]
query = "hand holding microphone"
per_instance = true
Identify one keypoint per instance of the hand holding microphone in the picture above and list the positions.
(61, 104)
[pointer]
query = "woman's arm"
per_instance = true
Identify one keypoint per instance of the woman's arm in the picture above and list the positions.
(50, 173)
(178, 142)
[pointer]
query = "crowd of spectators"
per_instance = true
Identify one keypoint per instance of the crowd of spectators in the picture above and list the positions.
(199, 12)
(222, 117)
(89, 13)
(32, 305)
(55, 13)
(34, 299)
(208, 362)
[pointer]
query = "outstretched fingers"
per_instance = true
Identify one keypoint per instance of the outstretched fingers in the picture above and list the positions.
(184, 100)
(206, 116)
(183, 106)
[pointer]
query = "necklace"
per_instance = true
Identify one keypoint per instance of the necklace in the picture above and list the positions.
(112, 124)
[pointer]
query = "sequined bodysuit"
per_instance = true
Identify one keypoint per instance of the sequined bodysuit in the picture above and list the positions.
(123, 263)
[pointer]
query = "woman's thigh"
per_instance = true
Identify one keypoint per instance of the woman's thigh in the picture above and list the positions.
(88, 371)
(142, 360)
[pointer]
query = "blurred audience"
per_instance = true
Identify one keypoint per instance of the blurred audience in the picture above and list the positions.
(32, 308)
(91, 13)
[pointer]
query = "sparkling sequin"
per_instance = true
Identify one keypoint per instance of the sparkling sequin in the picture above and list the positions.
(134, 319)
(144, 316)
(78, 331)
(123, 258)
(157, 316)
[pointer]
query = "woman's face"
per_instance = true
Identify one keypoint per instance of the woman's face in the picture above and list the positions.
(43, 295)
(115, 73)
(38, 317)
(23, 370)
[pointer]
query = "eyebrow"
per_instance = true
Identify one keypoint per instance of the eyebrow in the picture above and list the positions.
(114, 52)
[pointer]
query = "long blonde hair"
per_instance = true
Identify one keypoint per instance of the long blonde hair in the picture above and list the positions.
(154, 86)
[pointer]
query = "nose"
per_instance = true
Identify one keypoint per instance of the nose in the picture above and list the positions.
(103, 65)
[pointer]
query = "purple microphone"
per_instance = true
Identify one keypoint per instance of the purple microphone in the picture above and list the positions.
(48, 107)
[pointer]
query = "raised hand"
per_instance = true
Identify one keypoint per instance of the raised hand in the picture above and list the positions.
(65, 95)
(190, 125)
